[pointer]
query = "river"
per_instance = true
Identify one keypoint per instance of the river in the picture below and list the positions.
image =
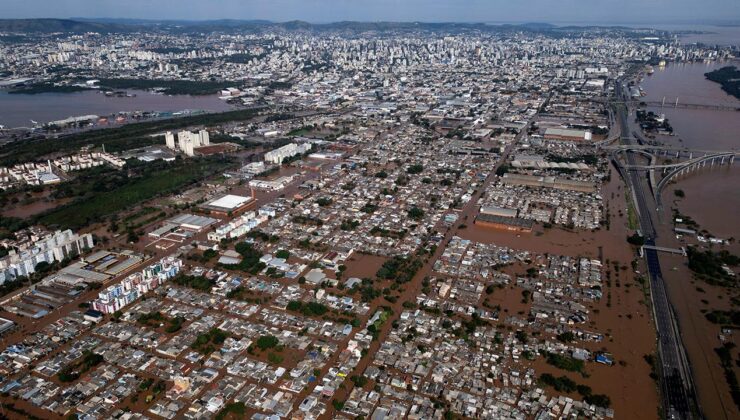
(712, 196)
(17, 110)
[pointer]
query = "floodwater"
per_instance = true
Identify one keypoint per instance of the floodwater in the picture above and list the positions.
(712, 200)
(712, 197)
(695, 128)
(623, 318)
(17, 110)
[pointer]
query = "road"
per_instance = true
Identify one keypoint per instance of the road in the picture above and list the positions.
(679, 398)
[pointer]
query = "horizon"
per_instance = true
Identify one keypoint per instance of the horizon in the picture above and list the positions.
(599, 12)
(731, 23)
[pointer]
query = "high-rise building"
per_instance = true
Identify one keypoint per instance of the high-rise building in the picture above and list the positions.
(169, 139)
(205, 138)
(48, 248)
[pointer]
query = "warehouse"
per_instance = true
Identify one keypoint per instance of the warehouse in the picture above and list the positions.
(228, 205)
(506, 223)
(192, 222)
(567, 134)
(549, 182)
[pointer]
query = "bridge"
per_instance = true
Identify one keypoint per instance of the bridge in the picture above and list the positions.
(681, 105)
(670, 170)
(692, 165)
(679, 251)
(712, 158)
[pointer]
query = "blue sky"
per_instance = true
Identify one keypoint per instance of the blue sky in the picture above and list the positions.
(584, 11)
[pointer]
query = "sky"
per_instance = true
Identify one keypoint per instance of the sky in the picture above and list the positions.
(321, 11)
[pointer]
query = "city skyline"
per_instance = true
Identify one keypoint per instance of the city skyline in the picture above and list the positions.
(322, 11)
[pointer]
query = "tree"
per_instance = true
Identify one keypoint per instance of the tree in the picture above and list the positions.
(636, 239)
(416, 213)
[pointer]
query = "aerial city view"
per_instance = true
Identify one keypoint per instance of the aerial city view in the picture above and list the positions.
(392, 209)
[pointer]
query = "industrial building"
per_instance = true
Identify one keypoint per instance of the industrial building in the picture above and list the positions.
(567, 134)
(503, 218)
(186, 222)
(228, 205)
(549, 182)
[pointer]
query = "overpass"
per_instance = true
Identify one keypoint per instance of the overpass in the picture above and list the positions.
(692, 165)
(679, 251)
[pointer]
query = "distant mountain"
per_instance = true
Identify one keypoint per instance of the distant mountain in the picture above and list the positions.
(58, 25)
(108, 25)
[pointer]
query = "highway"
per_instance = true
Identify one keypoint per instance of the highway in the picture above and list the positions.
(679, 399)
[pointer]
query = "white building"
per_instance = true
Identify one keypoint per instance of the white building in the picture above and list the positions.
(187, 141)
(50, 248)
(278, 155)
(169, 140)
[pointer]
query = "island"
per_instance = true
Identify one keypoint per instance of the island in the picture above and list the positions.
(728, 77)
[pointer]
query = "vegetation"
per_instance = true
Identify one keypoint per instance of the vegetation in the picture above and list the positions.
(400, 269)
(170, 87)
(72, 372)
(566, 337)
(707, 265)
(250, 262)
(194, 282)
(47, 88)
(235, 409)
(728, 77)
(308, 309)
(349, 224)
(415, 169)
(155, 319)
(416, 213)
(729, 318)
(565, 362)
(101, 199)
(206, 342)
(323, 201)
(359, 380)
(266, 342)
(636, 239)
(725, 356)
(565, 384)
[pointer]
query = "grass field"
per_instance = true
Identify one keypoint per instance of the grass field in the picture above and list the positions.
(169, 179)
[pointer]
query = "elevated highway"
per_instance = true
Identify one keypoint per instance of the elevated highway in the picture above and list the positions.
(679, 398)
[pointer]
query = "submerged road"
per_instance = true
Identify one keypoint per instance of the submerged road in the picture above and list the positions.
(679, 398)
